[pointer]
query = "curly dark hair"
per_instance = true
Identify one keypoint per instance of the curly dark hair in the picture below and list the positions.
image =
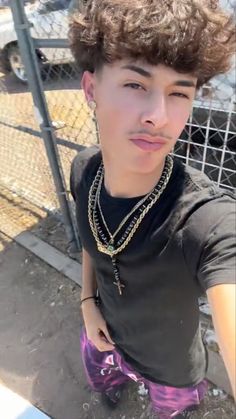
(191, 36)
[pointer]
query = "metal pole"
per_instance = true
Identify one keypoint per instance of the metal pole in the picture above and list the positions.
(27, 50)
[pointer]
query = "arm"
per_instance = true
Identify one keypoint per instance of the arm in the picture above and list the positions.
(89, 283)
(95, 325)
(222, 301)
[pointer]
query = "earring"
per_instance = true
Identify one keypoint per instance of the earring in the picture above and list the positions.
(92, 105)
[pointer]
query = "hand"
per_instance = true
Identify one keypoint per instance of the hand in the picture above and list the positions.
(96, 327)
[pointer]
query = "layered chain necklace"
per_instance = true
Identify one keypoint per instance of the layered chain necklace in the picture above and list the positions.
(109, 245)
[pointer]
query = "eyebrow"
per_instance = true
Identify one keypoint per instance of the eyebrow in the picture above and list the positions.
(147, 74)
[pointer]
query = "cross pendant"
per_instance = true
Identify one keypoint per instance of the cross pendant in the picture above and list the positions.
(120, 286)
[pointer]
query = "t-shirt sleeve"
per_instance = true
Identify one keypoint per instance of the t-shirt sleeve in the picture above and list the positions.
(213, 243)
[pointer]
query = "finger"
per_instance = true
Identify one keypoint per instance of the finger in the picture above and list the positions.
(109, 346)
(105, 347)
(103, 344)
(100, 342)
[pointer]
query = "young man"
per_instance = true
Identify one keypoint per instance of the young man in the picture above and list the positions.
(155, 233)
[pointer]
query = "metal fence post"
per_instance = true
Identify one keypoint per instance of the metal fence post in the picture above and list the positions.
(27, 50)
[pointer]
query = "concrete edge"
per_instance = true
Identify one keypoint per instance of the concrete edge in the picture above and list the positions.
(51, 256)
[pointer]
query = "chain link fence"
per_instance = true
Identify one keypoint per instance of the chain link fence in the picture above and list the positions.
(207, 143)
(209, 139)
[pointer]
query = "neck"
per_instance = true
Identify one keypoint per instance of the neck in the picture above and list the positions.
(121, 184)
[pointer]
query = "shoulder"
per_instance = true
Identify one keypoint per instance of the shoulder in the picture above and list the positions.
(202, 205)
(211, 206)
(215, 215)
(211, 202)
(210, 228)
(196, 180)
(200, 195)
(83, 168)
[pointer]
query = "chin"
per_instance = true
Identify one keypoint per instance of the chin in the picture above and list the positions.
(146, 164)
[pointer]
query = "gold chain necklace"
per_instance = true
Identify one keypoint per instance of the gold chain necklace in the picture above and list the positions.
(156, 194)
(93, 202)
(125, 219)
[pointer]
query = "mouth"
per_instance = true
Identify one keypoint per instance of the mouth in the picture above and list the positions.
(148, 144)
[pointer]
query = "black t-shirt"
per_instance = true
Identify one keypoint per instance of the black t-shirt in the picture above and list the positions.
(184, 245)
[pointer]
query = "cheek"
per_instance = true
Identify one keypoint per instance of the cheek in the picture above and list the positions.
(110, 119)
(114, 114)
(180, 115)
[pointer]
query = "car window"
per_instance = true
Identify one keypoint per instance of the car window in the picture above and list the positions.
(52, 6)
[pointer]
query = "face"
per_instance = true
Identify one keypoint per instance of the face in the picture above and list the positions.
(141, 112)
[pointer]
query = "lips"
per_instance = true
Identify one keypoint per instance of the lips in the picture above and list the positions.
(148, 145)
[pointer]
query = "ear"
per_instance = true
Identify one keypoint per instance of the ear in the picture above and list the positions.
(88, 84)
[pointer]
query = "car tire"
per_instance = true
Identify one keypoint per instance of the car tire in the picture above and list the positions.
(16, 65)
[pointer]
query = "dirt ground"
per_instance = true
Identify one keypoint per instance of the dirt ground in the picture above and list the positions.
(40, 323)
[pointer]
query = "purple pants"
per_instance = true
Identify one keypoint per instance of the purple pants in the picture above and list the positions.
(106, 370)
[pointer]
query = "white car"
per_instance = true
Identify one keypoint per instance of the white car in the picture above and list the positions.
(49, 21)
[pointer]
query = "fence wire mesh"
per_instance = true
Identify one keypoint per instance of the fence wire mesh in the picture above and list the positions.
(207, 143)
(24, 166)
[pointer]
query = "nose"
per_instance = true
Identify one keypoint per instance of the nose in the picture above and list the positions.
(155, 112)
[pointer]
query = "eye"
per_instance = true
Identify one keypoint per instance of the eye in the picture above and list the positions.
(178, 94)
(134, 86)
